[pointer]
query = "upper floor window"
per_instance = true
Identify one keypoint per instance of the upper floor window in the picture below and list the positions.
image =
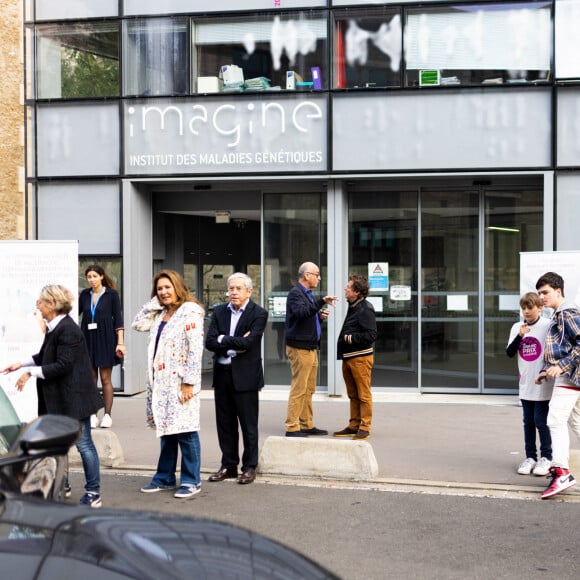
(261, 52)
(156, 57)
(567, 23)
(367, 48)
(77, 60)
(478, 44)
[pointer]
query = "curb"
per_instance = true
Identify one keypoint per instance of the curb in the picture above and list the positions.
(491, 490)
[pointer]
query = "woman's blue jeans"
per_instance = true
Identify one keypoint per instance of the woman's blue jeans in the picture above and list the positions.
(536, 418)
(189, 445)
(90, 457)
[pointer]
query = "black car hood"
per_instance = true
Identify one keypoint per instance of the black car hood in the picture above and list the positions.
(90, 544)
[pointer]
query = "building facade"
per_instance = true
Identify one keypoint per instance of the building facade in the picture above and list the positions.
(12, 205)
(423, 144)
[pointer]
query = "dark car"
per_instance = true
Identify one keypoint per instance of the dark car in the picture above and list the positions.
(34, 456)
(46, 540)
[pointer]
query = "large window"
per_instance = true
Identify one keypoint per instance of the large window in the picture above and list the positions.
(295, 225)
(285, 51)
(513, 224)
(156, 57)
(367, 48)
(478, 44)
(567, 16)
(383, 229)
(78, 60)
(449, 288)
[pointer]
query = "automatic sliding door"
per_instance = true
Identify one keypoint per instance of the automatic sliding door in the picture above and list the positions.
(383, 228)
(449, 289)
(294, 232)
(513, 224)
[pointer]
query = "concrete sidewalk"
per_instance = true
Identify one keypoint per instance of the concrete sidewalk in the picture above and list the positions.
(470, 440)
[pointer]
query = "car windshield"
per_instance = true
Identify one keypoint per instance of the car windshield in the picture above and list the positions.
(9, 423)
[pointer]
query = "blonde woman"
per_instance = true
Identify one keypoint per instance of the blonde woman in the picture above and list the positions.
(64, 379)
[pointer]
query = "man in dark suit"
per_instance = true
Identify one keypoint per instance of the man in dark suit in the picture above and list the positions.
(234, 336)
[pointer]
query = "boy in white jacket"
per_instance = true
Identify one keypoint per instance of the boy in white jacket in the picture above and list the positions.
(527, 340)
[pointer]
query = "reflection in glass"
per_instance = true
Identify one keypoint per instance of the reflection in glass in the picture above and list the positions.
(513, 224)
(367, 48)
(383, 228)
(265, 47)
(449, 286)
(294, 232)
(78, 60)
(156, 57)
(567, 44)
(476, 44)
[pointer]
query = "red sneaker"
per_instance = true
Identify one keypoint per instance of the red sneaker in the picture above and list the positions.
(561, 479)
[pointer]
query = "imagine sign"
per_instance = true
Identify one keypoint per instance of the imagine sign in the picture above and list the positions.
(168, 136)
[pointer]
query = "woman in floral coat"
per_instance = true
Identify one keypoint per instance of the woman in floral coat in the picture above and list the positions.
(174, 320)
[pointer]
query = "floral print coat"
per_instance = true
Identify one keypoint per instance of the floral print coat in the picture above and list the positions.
(178, 360)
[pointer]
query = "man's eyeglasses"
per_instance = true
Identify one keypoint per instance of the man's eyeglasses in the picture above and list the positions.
(313, 274)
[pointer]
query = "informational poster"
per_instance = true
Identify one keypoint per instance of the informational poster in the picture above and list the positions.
(26, 266)
(566, 264)
(400, 292)
(378, 276)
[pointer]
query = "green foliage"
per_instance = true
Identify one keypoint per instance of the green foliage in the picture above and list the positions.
(85, 74)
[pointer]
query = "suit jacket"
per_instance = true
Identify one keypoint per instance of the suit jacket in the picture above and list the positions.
(247, 370)
(68, 387)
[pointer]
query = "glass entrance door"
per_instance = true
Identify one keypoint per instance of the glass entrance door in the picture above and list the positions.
(513, 224)
(449, 288)
(383, 229)
(294, 232)
(453, 254)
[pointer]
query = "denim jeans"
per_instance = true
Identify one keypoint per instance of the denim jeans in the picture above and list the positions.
(536, 417)
(189, 445)
(90, 457)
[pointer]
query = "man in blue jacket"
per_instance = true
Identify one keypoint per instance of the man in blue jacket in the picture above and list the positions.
(304, 317)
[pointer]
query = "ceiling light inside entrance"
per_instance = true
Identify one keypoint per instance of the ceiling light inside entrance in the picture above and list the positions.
(222, 217)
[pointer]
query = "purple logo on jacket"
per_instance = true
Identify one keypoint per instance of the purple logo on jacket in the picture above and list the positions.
(530, 348)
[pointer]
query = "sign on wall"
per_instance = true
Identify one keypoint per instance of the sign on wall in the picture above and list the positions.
(217, 135)
(25, 268)
(378, 276)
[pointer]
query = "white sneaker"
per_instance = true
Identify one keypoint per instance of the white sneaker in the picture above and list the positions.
(94, 421)
(526, 466)
(106, 421)
(542, 467)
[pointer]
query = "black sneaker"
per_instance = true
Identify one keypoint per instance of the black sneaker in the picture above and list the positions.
(296, 434)
(67, 490)
(314, 431)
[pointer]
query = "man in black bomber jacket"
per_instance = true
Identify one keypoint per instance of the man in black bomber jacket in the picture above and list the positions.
(356, 349)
